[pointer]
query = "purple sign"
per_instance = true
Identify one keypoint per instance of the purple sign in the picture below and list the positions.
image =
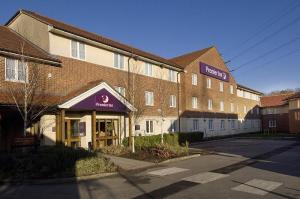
(213, 72)
(101, 101)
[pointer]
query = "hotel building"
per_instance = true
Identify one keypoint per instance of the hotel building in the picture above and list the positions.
(95, 91)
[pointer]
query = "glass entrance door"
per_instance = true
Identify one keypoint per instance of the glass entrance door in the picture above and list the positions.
(107, 132)
(72, 134)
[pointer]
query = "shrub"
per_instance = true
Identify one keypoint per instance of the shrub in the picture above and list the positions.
(173, 139)
(93, 165)
(166, 151)
(114, 150)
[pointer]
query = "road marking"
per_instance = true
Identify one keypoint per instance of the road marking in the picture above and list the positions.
(257, 186)
(205, 177)
(167, 171)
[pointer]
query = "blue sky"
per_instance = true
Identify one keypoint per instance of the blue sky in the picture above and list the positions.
(173, 27)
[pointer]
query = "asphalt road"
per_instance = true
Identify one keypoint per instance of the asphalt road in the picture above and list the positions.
(240, 168)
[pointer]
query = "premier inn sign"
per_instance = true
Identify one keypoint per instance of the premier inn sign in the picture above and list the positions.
(213, 72)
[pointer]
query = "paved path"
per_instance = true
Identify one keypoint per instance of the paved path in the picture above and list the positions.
(242, 168)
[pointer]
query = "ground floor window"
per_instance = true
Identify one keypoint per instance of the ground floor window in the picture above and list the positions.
(210, 124)
(195, 125)
(172, 126)
(222, 124)
(272, 123)
(149, 126)
(232, 124)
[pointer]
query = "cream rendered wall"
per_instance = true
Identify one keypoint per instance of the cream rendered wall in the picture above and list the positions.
(47, 123)
(62, 46)
(32, 29)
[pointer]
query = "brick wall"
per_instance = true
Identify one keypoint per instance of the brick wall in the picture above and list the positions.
(294, 120)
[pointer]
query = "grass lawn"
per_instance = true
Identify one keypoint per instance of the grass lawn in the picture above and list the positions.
(52, 162)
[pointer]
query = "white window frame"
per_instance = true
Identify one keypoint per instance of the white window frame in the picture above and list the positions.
(195, 125)
(148, 69)
(272, 124)
(173, 101)
(118, 64)
(231, 89)
(194, 79)
(149, 124)
(221, 86)
(222, 106)
(121, 90)
(77, 50)
(173, 126)
(194, 102)
(222, 125)
(16, 68)
(172, 75)
(232, 124)
(208, 83)
(211, 124)
(210, 104)
(149, 98)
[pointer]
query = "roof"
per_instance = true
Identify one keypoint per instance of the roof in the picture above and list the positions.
(294, 96)
(188, 58)
(274, 100)
(249, 89)
(95, 37)
(12, 42)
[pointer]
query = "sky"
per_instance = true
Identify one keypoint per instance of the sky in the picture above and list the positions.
(260, 39)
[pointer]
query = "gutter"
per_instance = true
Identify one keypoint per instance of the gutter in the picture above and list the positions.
(107, 47)
(30, 58)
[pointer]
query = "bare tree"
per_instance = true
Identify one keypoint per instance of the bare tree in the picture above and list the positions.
(29, 94)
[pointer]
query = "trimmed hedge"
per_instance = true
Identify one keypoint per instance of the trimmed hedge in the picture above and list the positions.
(172, 139)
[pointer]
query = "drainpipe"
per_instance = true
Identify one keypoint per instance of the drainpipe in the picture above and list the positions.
(178, 103)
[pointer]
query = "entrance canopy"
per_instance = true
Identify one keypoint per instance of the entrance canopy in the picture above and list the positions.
(100, 98)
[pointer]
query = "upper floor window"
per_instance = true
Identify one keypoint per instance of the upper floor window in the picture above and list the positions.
(210, 104)
(173, 101)
(221, 86)
(221, 106)
(208, 83)
(194, 79)
(231, 89)
(172, 75)
(120, 90)
(149, 98)
(194, 102)
(15, 70)
(148, 69)
(118, 61)
(78, 50)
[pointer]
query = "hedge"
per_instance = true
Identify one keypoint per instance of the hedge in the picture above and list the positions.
(173, 139)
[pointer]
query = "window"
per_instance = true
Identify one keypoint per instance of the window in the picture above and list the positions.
(210, 124)
(148, 69)
(194, 102)
(231, 89)
(208, 83)
(75, 128)
(195, 125)
(118, 61)
(210, 104)
(245, 109)
(120, 90)
(149, 98)
(221, 106)
(15, 70)
(173, 125)
(222, 124)
(221, 86)
(173, 101)
(149, 126)
(77, 50)
(231, 107)
(232, 124)
(272, 123)
(257, 110)
(194, 79)
(172, 75)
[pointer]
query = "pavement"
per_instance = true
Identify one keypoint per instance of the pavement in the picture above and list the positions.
(238, 168)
